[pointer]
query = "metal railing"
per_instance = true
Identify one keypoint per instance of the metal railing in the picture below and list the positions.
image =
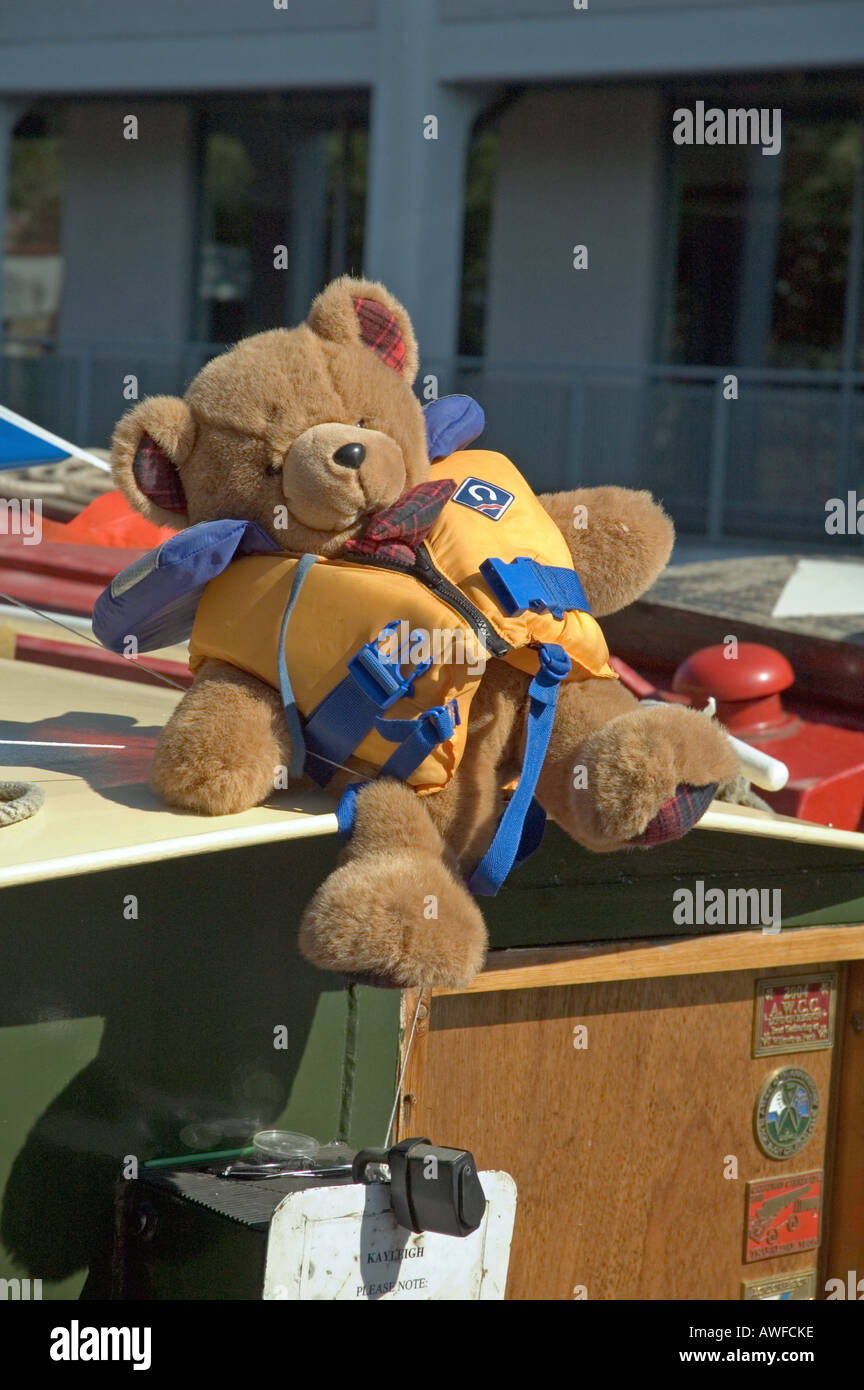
(732, 451)
(762, 465)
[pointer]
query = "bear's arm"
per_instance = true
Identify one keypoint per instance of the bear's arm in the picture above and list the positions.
(223, 747)
(620, 541)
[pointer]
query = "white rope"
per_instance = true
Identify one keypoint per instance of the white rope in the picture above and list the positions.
(18, 800)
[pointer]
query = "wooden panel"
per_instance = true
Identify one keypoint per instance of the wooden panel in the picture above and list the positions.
(846, 1234)
(618, 1149)
(542, 967)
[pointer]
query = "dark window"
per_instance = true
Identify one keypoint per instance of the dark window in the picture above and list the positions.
(712, 213)
(279, 172)
(763, 254)
(33, 263)
(479, 190)
(811, 267)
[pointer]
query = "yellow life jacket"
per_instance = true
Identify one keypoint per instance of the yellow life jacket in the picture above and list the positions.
(439, 623)
(442, 622)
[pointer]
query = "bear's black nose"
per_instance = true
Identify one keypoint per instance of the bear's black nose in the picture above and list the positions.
(350, 455)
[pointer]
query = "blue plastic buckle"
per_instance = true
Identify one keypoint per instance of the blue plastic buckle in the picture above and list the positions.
(525, 583)
(380, 677)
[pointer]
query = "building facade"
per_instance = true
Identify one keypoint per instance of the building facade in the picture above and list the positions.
(629, 304)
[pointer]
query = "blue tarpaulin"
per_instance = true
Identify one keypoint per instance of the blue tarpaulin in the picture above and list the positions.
(24, 444)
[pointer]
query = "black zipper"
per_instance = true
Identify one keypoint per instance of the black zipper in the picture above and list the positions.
(424, 571)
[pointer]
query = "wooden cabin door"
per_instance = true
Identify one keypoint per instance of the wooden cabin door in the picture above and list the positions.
(624, 1110)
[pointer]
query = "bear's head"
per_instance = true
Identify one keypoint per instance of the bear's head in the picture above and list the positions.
(306, 431)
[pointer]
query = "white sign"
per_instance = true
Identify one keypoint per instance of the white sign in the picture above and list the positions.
(342, 1243)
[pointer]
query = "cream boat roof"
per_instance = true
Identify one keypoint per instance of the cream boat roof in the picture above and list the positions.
(100, 812)
(120, 820)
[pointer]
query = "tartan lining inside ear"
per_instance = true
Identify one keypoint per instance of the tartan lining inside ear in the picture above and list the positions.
(380, 331)
(157, 477)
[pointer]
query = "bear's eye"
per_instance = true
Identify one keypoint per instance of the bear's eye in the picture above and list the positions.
(273, 470)
(361, 424)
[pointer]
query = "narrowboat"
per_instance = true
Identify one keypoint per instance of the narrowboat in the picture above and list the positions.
(664, 1052)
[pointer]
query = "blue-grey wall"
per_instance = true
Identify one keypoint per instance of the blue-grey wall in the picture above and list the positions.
(576, 167)
(128, 222)
(185, 45)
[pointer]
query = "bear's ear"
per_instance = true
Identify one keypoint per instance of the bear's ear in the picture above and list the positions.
(362, 311)
(150, 444)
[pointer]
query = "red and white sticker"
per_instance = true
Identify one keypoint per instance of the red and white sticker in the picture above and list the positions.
(783, 1215)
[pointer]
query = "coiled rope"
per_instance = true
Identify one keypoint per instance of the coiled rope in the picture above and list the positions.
(18, 800)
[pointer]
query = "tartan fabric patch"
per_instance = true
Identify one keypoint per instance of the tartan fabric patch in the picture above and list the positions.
(679, 814)
(157, 477)
(380, 331)
(395, 534)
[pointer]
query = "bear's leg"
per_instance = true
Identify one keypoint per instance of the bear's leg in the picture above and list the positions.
(613, 766)
(222, 747)
(394, 912)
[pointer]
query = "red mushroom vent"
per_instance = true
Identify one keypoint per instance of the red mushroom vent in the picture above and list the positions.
(745, 678)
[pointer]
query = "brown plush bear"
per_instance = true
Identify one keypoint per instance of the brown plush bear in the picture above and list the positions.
(319, 426)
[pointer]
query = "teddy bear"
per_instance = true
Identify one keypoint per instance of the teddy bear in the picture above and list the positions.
(314, 440)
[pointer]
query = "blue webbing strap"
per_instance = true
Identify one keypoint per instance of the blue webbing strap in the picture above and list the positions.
(532, 831)
(516, 830)
(346, 811)
(344, 717)
(416, 738)
(336, 727)
(292, 716)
